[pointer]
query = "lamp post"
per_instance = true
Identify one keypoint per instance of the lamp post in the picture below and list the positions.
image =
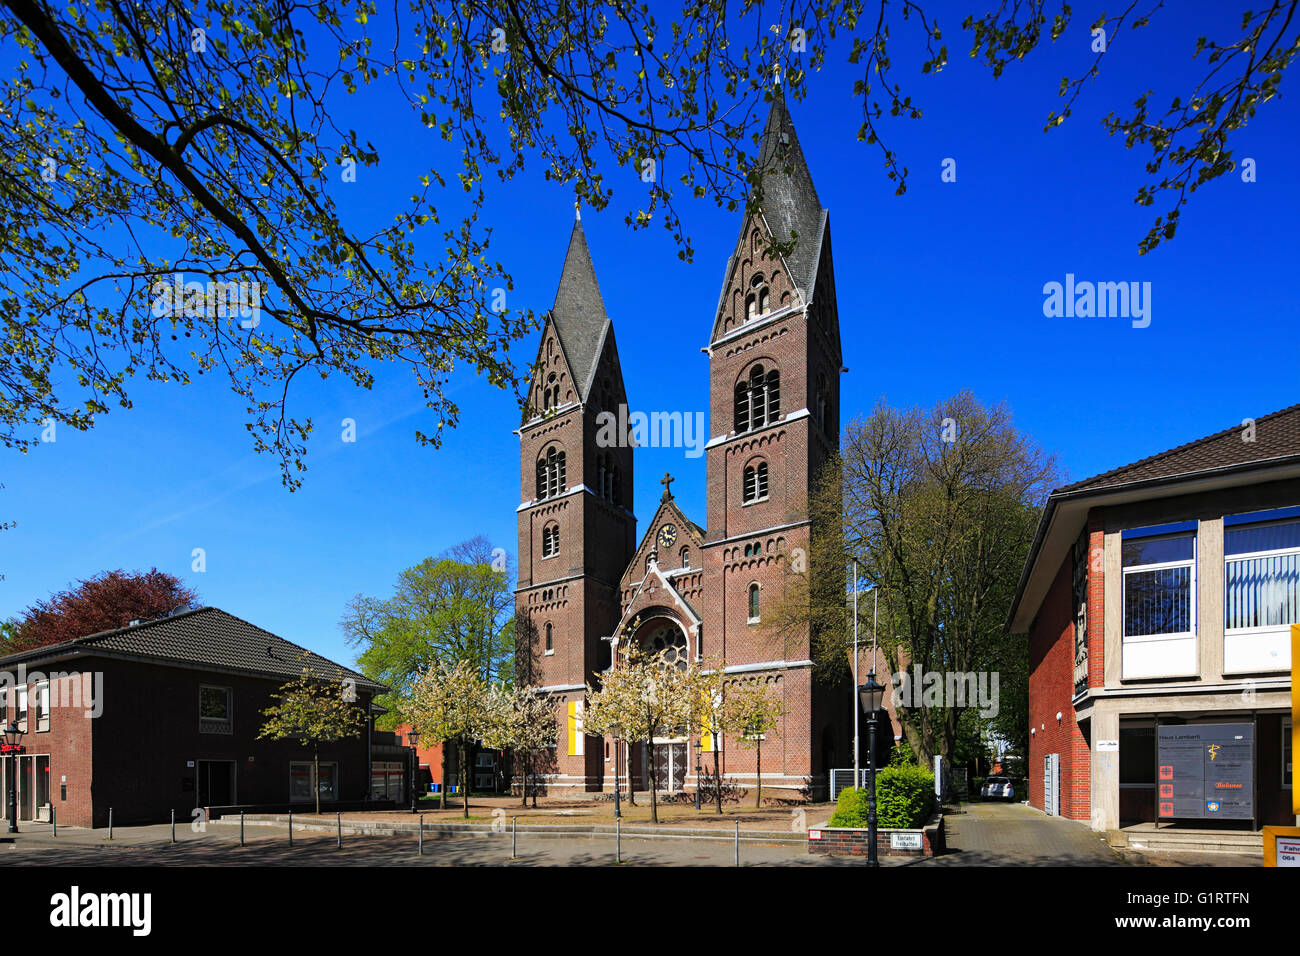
(699, 745)
(871, 694)
(414, 737)
(13, 747)
(618, 774)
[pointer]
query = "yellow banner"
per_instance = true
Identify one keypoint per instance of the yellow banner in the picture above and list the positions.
(1295, 715)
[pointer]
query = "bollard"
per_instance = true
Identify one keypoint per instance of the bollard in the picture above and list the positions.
(737, 843)
(421, 834)
(110, 823)
(241, 827)
(290, 828)
(339, 817)
(173, 826)
(54, 821)
(514, 838)
(618, 841)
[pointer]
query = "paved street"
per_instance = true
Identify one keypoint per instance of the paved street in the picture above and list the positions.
(1002, 834)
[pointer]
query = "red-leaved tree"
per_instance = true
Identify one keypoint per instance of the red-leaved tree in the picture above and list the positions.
(107, 601)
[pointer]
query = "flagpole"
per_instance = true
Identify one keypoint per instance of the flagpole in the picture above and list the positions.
(857, 775)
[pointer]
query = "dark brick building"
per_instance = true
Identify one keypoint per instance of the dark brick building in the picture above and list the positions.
(164, 715)
(774, 366)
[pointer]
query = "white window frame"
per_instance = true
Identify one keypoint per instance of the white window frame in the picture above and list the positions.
(1247, 556)
(1127, 639)
(20, 707)
(42, 706)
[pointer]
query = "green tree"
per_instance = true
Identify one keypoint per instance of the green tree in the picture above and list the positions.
(458, 607)
(144, 141)
(939, 507)
(313, 710)
(522, 721)
(750, 712)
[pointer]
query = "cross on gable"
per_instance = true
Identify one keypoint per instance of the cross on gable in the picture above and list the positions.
(667, 481)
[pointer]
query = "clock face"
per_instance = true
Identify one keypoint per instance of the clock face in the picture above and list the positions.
(667, 535)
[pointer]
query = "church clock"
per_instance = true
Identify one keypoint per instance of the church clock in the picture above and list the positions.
(667, 535)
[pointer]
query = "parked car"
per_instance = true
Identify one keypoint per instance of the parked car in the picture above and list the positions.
(998, 788)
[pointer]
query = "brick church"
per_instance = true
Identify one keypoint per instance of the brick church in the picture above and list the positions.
(697, 590)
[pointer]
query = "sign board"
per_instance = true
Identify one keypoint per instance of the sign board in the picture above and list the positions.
(814, 834)
(1206, 772)
(1282, 846)
(905, 841)
(1107, 746)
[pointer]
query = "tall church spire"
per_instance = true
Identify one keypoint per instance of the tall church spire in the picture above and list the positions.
(787, 197)
(579, 311)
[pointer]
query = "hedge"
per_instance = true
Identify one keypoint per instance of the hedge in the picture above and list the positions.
(904, 800)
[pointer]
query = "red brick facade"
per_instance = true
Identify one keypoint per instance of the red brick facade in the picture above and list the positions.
(770, 328)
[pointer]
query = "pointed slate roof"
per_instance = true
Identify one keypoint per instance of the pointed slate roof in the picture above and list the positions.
(579, 312)
(789, 199)
(789, 205)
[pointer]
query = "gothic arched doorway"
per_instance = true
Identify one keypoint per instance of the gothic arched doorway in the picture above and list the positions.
(664, 638)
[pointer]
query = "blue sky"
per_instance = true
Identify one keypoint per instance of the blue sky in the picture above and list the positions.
(939, 290)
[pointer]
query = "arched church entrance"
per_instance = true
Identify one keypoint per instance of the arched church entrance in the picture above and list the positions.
(663, 638)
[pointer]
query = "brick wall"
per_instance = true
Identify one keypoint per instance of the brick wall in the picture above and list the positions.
(1051, 691)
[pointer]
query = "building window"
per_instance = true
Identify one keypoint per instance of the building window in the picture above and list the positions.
(550, 541)
(686, 557)
(607, 477)
(551, 479)
(21, 702)
(1262, 573)
(1159, 572)
(755, 482)
(42, 706)
(300, 785)
(759, 300)
(753, 604)
(1286, 753)
(215, 710)
(758, 399)
(550, 640)
(551, 395)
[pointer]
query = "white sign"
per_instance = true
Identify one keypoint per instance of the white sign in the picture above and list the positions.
(905, 841)
(1107, 746)
(1288, 851)
(189, 763)
(814, 834)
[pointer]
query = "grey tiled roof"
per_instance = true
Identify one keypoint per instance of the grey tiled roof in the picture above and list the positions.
(1276, 436)
(788, 202)
(206, 638)
(579, 313)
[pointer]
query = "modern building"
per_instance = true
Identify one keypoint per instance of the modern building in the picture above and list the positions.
(1157, 600)
(164, 715)
(697, 590)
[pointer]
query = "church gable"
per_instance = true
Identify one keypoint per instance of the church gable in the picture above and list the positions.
(606, 391)
(758, 281)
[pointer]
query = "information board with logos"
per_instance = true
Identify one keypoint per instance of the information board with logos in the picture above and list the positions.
(1206, 772)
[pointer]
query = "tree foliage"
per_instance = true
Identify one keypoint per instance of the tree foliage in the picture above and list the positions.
(451, 701)
(104, 602)
(522, 721)
(313, 710)
(149, 140)
(458, 607)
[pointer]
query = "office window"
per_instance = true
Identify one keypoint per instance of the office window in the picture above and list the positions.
(1159, 602)
(43, 706)
(1261, 573)
(215, 710)
(21, 703)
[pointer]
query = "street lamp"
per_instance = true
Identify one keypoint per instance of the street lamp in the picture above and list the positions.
(699, 745)
(414, 738)
(13, 746)
(617, 730)
(872, 695)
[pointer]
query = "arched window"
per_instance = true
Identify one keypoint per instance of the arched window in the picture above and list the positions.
(753, 602)
(550, 541)
(550, 474)
(551, 396)
(550, 640)
(755, 482)
(824, 417)
(686, 557)
(758, 399)
(759, 300)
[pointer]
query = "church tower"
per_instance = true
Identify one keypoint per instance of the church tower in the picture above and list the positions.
(576, 526)
(774, 367)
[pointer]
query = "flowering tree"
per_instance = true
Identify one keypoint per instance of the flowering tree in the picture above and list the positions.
(642, 697)
(452, 702)
(750, 712)
(523, 721)
(313, 710)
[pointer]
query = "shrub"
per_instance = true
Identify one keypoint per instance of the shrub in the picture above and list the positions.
(904, 800)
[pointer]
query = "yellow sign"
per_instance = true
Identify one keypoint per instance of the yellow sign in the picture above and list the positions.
(1282, 846)
(1295, 713)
